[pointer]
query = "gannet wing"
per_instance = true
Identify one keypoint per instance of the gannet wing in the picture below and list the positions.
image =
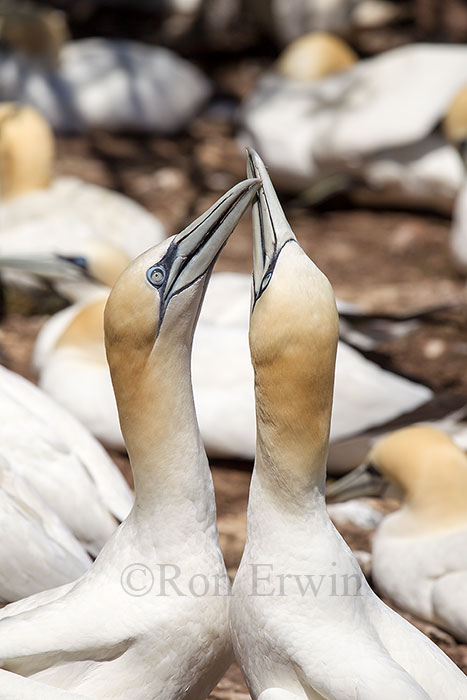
(16, 687)
(107, 481)
(449, 598)
(415, 652)
(36, 600)
(37, 550)
(366, 395)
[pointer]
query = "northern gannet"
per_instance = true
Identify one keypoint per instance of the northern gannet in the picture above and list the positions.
(70, 361)
(39, 32)
(287, 21)
(365, 122)
(110, 84)
(150, 618)
(37, 550)
(40, 215)
(304, 621)
(455, 129)
(61, 461)
(420, 551)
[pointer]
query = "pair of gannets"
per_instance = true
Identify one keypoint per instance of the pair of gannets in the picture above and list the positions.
(62, 496)
(420, 551)
(108, 84)
(374, 120)
(70, 360)
(178, 643)
(40, 215)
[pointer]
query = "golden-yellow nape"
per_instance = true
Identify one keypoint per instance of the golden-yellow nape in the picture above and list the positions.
(314, 56)
(413, 456)
(27, 150)
(293, 342)
(427, 469)
(156, 300)
(455, 123)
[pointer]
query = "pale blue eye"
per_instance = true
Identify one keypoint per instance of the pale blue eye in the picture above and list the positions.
(156, 275)
(266, 281)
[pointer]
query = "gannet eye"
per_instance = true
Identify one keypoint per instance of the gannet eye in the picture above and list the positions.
(156, 275)
(371, 469)
(266, 281)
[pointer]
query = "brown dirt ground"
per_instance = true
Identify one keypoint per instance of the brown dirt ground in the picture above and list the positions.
(385, 260)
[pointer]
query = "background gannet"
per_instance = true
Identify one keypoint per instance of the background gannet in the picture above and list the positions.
(364, 122)
(420, 551)
(40, 215)
(304, 621)
(69, 358)
(108, 84)
(171, 642)
(37, 550)
(455, 129)
(286, 21)
(314, 56)
(61, 461)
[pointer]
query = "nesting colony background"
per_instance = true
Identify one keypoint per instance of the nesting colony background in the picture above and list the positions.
(372, 201)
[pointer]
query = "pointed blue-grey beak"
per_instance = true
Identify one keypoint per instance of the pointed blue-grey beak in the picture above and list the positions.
(365, 480)
(193, 252)
(271, 230)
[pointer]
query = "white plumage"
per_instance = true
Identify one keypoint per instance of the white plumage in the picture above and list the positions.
(365, 396)
(37, 550)
(136, 623)
(366, 121)
(108, 84)
(420, 551)
(304, 621)
(58, 457)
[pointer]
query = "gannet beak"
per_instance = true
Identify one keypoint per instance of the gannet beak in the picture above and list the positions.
(365, 480)
(271, 230)
(51, 267)
(193, 252)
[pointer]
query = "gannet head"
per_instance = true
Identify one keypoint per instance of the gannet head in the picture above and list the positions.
(156, 301)
(455, 123)
(96, 259)
(427, 469)
(314, 56)
(27, 150)
(293, 339)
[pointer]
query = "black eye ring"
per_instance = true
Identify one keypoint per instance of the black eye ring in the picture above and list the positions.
(155, 275)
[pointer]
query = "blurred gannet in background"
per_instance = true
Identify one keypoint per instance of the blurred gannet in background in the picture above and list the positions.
(46, 216)
(61, 461)
(420, 551)
(287, 21)
(110, 84)
(455, 129)
(70, 360)
(164, 644)
(39, 32)
(374, 121)
(304, 621)
(37, 550)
